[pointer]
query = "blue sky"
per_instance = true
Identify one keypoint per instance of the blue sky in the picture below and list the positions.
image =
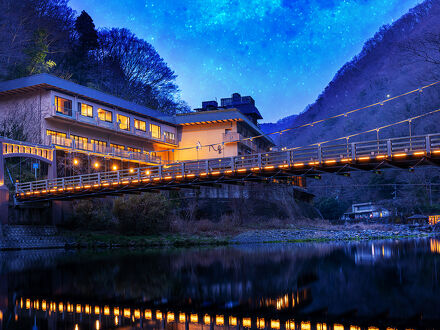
(283, 53)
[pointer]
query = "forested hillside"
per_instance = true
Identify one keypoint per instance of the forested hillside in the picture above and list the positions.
(400, 57)
(47, 36)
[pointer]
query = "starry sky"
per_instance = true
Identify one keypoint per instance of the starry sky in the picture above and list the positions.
(281, 52)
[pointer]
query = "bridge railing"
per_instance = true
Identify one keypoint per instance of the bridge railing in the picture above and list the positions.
(312, 156)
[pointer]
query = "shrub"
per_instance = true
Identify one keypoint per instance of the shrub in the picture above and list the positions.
(90, 214)
(147, 213)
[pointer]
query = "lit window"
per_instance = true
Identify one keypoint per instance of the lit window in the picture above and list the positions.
(63, 106)
(124, 122)
(105, 115)
(55, 133)
(99, 142)
(85, 110)
(140, 125)
(155, 131)
(169, 136)
(80, 141)
(117, 146)
(133, 149)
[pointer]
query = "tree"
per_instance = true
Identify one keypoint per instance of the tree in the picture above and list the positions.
(88, 36)
(131, 68)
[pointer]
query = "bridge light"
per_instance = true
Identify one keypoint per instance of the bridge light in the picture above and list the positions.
(75, 161)
(96, 165)
(115, 168)
(131, 170)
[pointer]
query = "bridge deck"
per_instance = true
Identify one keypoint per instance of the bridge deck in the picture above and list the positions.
(403, 152)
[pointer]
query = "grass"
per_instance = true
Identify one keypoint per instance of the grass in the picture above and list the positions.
(106, 239)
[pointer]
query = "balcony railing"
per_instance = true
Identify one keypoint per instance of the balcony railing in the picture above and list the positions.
(100, 149)
(64, 111)
(114, 126)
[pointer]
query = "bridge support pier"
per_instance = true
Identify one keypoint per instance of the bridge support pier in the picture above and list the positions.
(4, 191)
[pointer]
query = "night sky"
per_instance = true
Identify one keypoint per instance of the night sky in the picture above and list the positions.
(281, 52)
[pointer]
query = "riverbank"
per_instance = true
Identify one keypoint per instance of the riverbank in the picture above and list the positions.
(325, 232)
(34, 237)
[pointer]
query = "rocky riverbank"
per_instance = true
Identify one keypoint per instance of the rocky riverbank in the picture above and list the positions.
(335, 233)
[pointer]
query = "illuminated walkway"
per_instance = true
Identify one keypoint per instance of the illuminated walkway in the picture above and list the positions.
(282, 166)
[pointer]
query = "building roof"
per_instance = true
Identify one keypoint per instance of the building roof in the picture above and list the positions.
(45, 80)
(207, 117)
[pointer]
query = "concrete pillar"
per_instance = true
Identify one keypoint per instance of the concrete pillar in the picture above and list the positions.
(4, 191)
(52, 170)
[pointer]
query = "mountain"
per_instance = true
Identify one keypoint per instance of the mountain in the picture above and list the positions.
(400, 57)
(278, 126)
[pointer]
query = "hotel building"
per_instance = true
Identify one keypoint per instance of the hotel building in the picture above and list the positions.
(79, 119)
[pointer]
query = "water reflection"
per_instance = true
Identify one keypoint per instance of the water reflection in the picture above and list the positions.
(388, 284)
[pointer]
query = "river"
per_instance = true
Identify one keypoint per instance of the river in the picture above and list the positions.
(363, 285)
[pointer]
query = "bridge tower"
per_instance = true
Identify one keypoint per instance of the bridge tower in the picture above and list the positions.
(10, 148)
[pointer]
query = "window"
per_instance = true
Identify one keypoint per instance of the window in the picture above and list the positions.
(80, 142)
(55, 133)
(85, 110)
(63, 106)
(99, 142)
(105, 115)
(124, 122)
(117, 146)
(169, 136)
(155, 131)
(133, 149)
(140, 125)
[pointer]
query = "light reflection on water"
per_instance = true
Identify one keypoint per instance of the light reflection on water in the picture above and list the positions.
(381, 284)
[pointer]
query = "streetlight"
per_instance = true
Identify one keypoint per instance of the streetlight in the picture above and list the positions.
(75, 161)
(96, 165)
(115, 168)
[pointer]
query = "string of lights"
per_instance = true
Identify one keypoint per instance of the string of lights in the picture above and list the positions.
(311, 124)
(347, 137)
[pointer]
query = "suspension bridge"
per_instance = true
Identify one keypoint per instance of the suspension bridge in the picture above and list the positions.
(288, 166)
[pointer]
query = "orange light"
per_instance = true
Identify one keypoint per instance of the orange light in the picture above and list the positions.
(419, 153)
(158, 315)
(131, 170)
(194, 318)
(114, 168)
(268, 167)
(215, 173)
(182, 317)
(156, 179)
(75, 162)
(137, 313)
(207, 319)
(190, 175)
(305, 326)
(381, 156)
(170, 317)
(96, 165)
(331, 161)
(228, 171)
(436, 152)
(127, 312)
(148, 315)
(260, 323)
(43, 305)
(364, 158)
(255, 168)
(242, 170)
(275, 324)
(219, 320)
(232, 321)
(203, 174)
(178, 176)
(116, 311)
(400, 155)
(298, 164)
(147, 172)
(97, 309)
(314, 163)
(345, 160)
(168, 177)
(338, 327)
(106, 310)
(247, 322)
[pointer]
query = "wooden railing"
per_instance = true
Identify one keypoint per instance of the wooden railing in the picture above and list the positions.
(316, 156)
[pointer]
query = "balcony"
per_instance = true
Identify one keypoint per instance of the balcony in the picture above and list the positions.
(95, 121)
(238, 138)
(100, 149)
